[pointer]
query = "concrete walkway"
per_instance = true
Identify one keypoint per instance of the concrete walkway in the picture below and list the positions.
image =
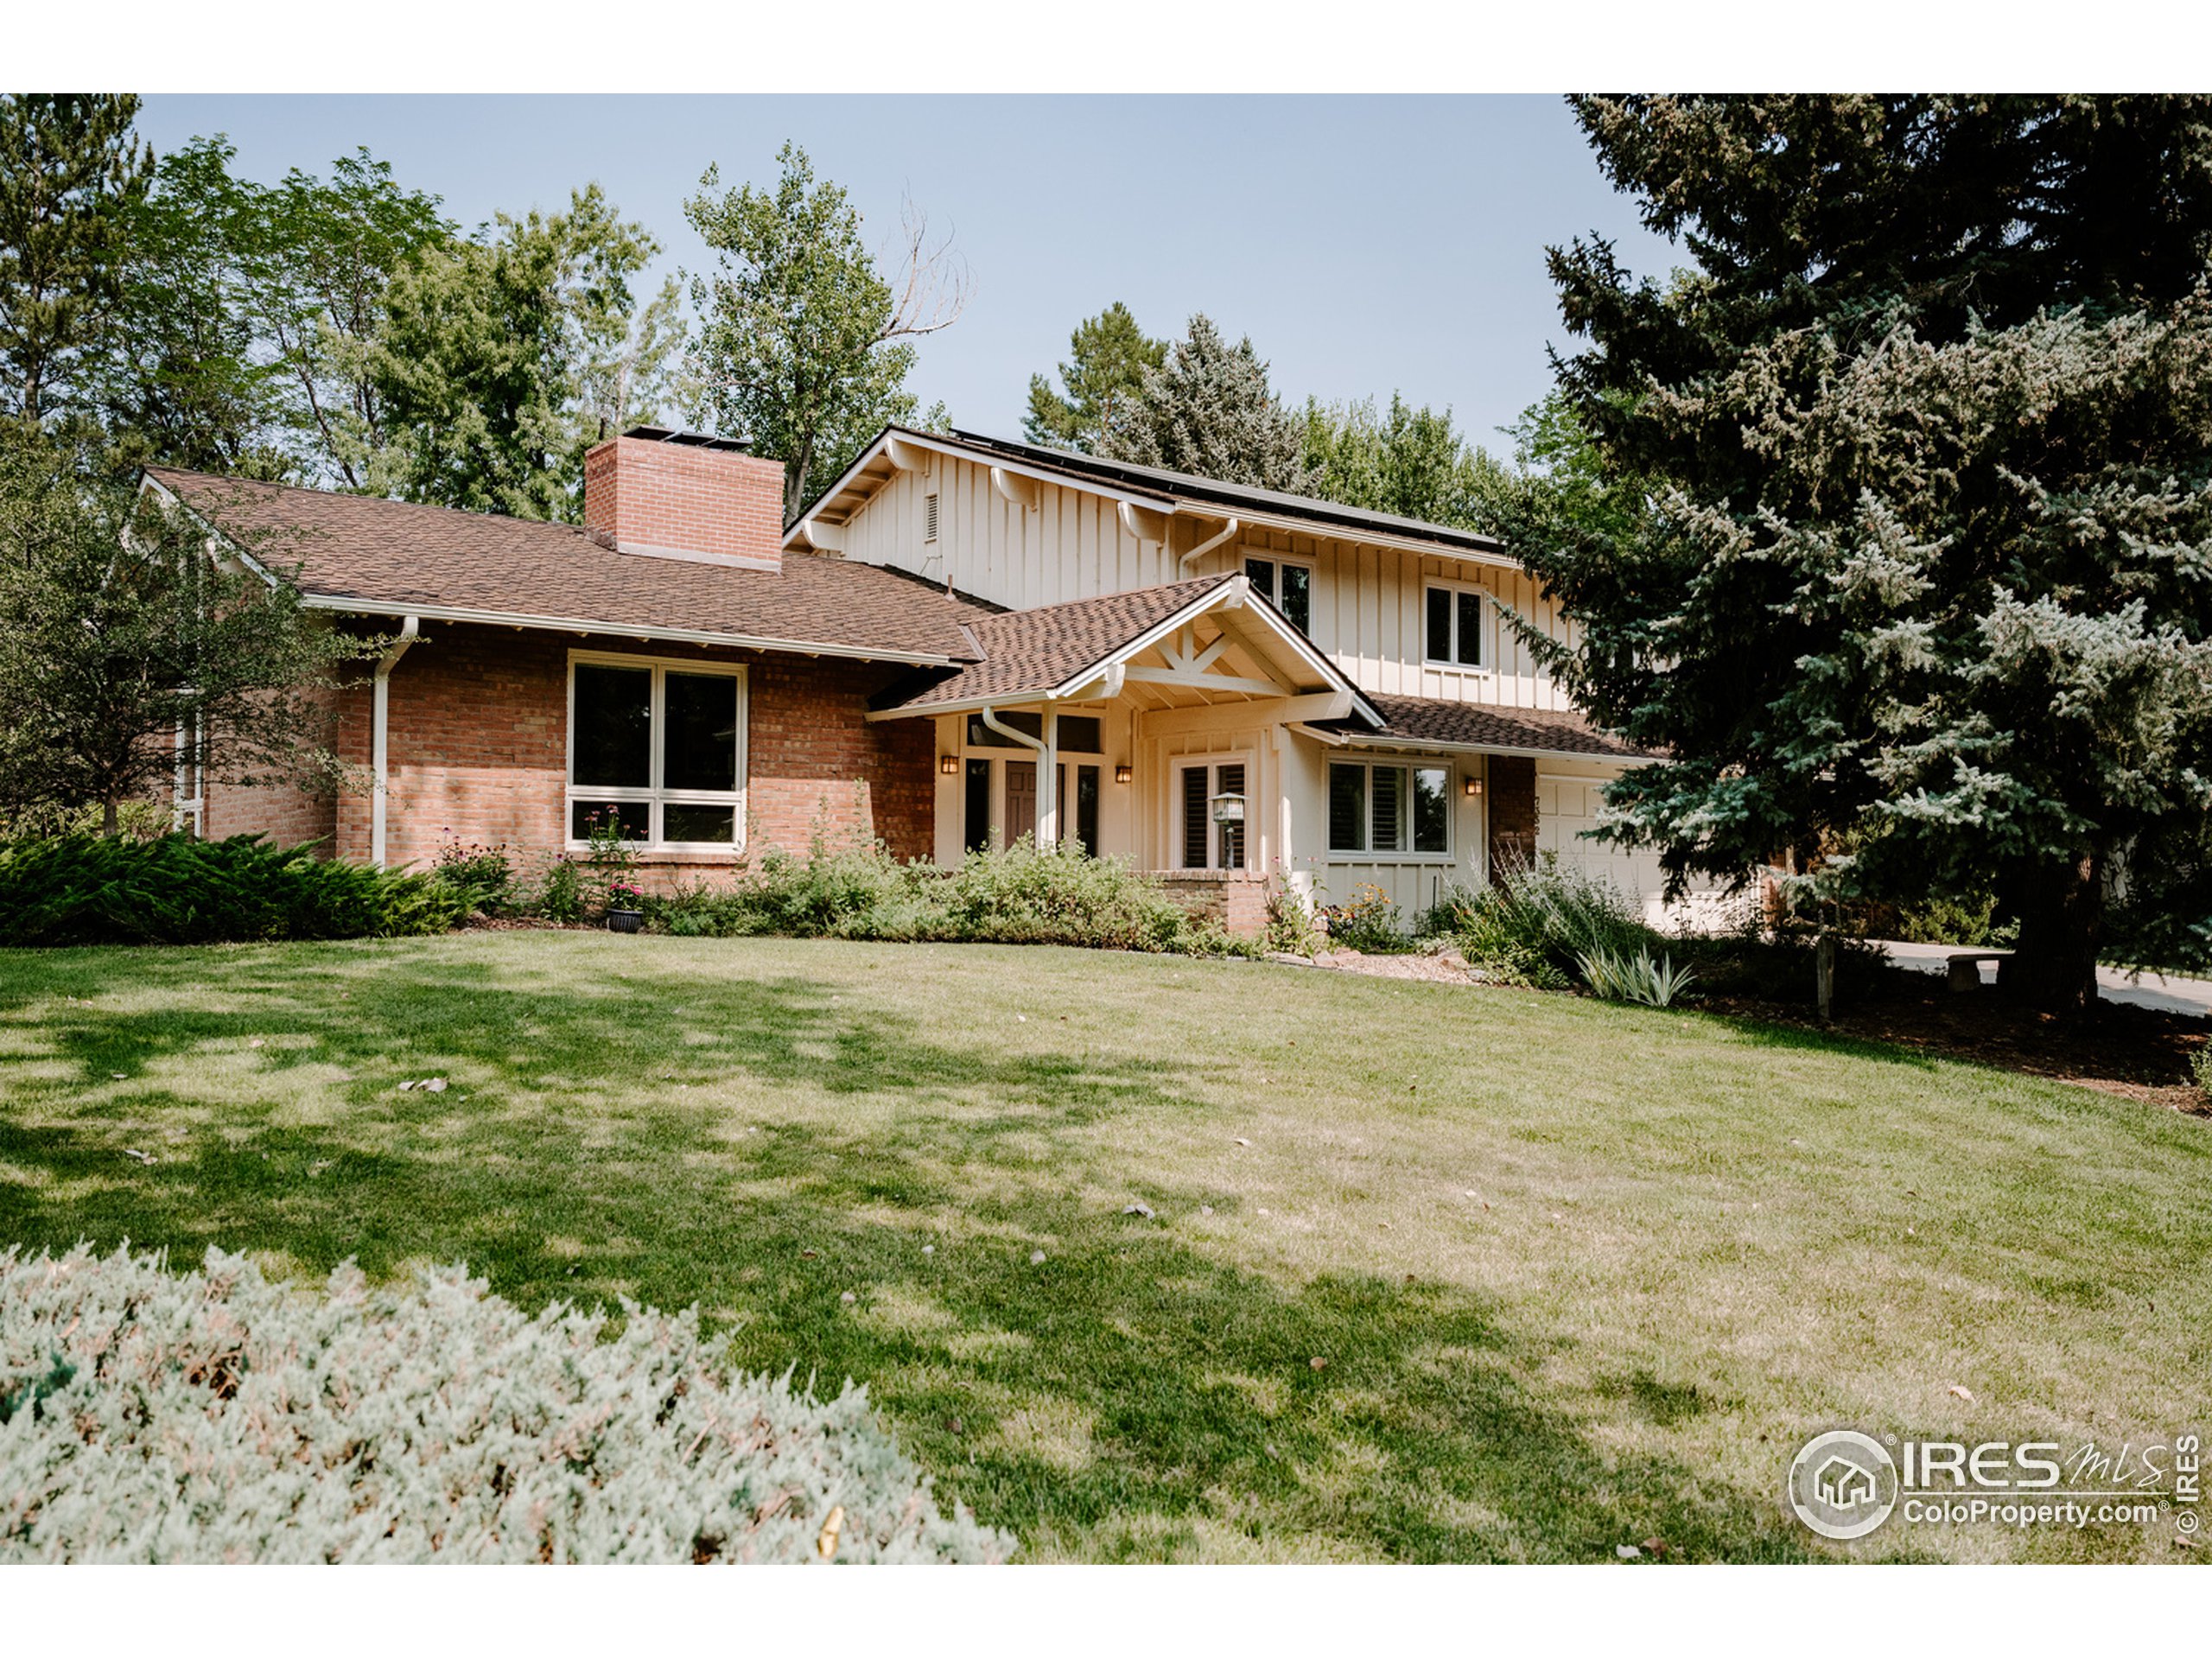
(2164, 991)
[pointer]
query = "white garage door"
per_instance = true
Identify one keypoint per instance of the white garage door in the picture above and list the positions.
(1568, 806)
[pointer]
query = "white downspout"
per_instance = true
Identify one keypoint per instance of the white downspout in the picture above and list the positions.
(1047, 753)
(1183, 565)
(379, 758)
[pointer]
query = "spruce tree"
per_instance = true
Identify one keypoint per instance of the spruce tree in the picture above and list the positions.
(1902, 553)
(1209, 409)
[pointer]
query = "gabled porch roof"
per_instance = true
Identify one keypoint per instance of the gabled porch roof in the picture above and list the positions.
(1217, 640)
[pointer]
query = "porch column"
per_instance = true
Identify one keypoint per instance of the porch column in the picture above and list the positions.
(1048, 783)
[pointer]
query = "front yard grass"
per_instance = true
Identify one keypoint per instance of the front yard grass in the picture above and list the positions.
(1577, 1276)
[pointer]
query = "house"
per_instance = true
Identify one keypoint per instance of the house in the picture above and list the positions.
(1223, 684)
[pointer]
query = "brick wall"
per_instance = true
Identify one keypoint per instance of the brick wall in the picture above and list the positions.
(685, 497)
(303, 809)
(478, 735)
(1237, 899)
(1512, 812)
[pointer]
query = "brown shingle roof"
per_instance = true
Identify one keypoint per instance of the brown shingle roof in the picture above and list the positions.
(1036, 650)
(393, 555)
(1484, 725)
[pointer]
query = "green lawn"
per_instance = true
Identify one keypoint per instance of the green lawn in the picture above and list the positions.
(1581, 1276)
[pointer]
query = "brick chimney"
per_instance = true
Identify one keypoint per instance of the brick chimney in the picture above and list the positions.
(684, 495)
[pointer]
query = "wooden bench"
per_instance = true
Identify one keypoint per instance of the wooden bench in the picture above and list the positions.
(1966, 967)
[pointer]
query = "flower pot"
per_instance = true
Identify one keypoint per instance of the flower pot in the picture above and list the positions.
(626, 921)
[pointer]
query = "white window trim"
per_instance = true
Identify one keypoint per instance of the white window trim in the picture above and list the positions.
(1412, 763)
(1313, 581)
(1179, 764)
(654, 793)
(1488, 645)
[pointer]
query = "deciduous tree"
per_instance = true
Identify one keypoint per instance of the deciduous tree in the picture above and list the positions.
(1410, 462)
(500, 361)
(804, 345)
(125, 648)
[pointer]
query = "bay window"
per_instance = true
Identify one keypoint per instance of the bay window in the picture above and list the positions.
(1389, 808)
(658, 748)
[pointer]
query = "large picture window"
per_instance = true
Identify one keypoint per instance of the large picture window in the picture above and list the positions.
(1452, 626)
(1389, 809)
(658, 747)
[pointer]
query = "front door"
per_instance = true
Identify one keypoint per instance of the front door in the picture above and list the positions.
(1020, 800)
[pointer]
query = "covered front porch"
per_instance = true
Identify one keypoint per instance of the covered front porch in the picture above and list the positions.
(1160, 719)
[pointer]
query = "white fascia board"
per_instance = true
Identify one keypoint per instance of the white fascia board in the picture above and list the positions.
(959, 451)
(620, 630)
(150, 482)
(1321, 531)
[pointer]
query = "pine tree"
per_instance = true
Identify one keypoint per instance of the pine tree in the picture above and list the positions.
(1903, 548)
(70, 168)
(1108, 357)
(1209, 409)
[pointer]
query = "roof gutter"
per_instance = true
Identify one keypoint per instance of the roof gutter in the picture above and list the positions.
(1046, 835)
(410, 630)
(1385, 742)
(627, 630)
(1227, 531)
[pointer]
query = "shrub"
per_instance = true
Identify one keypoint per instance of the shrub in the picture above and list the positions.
(2200, 1064)
(1291, 930)
(1535, 923)
(558, 895)
(1369, 922)
(175, 890)
(1620, 977)
(212, 1416)
(1018, 896)
(484, 875)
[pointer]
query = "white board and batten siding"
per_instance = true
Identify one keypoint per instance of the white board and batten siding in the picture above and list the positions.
(1367, 600)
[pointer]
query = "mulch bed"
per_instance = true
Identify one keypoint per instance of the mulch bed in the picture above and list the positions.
(2138, 1053)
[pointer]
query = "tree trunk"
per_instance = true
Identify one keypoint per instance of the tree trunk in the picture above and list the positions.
(2062, 924)
(108, 819)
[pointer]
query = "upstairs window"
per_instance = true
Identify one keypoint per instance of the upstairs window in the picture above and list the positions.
(658, 748)
(1453, 630)
(1288, 586)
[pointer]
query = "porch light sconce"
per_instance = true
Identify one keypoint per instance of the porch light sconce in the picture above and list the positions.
(949, 765)
(1474, 786)
(1122, 774)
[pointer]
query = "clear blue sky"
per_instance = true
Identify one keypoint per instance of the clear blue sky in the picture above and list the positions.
(1366, 244)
